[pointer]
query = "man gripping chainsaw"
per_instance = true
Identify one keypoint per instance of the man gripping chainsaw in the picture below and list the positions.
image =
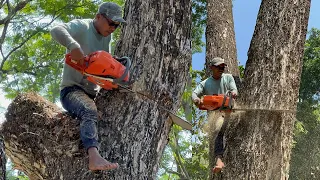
(81, 37)
(218, 83)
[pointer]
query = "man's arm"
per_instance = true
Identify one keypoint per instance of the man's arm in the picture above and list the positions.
(64, 34)
(233, 86)
(196, 94)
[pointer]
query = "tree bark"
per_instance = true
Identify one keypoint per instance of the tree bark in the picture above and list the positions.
(220, 42)
(220, 36)
(133, 130)
(3, 160)
(259, 142)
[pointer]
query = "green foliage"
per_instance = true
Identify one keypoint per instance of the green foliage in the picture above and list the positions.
(35, 67)
(241, 69)
(310, 77)
(199, 15)
(305, 161)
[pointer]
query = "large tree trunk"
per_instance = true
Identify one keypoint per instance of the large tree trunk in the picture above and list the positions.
(133, 131)
(220, 37)
(220, 42)
(259, 142)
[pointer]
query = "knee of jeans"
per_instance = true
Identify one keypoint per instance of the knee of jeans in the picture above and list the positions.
(89, 112)
(88, 129)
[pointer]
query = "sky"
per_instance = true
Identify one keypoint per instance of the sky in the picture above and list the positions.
(245, 15)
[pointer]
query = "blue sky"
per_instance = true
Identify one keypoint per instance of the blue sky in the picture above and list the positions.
(245, 15)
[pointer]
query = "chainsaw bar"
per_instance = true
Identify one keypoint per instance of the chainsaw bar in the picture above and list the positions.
(176, 119)
(274, 110)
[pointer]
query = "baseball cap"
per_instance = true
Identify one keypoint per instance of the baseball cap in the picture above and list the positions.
(217, 61)
(112, 10)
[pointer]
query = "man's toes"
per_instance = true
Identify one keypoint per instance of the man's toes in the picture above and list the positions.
(112, 166)
(216, 169)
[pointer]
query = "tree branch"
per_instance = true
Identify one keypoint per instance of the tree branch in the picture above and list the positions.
(2, 4)
(12, 12)
(4, 32)
(180, 163)
(172, 172)
(9, 6)
(23, 42)
(26, 71)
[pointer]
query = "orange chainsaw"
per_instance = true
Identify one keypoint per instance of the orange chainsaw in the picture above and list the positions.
(110, 73)
(220, 102)
(225, 102)
(102, 69)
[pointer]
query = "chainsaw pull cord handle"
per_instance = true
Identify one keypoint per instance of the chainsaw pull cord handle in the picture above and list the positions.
(120, 80)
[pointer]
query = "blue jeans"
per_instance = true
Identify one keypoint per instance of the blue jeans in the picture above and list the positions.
(80, 104)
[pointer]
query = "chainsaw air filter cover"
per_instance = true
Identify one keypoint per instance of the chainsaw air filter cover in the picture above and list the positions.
(99, 66)
(214, 102)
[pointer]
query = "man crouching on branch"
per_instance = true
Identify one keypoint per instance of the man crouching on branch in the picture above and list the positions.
(82, 37)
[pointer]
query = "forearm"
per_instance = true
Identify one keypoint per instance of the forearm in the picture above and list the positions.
(63, 37)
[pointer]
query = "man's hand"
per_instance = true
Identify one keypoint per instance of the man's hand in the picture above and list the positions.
(234, 95)
(78, 55)
(197, 101)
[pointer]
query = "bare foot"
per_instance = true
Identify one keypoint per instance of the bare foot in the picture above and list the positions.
(96, 162)
(219, 166)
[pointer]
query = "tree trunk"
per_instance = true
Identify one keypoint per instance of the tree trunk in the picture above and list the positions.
(3, 160)
(133, 130)
(220, 42)
(259, 142)
(220, 36)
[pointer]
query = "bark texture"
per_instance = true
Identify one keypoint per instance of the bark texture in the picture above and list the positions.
(259, 143)
(220, 42)
(220, 36)
(133, 130)
(3, 161)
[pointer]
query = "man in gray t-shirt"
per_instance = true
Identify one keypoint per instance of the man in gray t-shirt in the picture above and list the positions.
(218, 83)
(82, 37)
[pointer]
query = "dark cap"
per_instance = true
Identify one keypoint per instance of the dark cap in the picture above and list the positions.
(112, 10)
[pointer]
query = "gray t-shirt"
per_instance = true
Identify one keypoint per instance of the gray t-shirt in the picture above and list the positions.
(211, 86)
(79, 33)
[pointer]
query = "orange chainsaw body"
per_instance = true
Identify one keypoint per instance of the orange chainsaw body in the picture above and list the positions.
(214, 102)
(98, 66)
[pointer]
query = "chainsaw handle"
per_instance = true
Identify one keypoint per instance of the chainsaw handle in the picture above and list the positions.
(230, 104)
(75, 64)
(127, 65)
